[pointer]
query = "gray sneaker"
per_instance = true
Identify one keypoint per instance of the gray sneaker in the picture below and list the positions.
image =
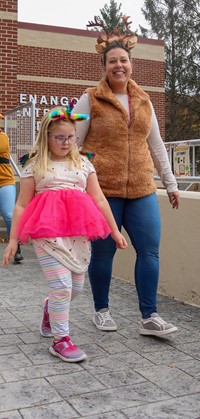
(103, 320)
(155, 326)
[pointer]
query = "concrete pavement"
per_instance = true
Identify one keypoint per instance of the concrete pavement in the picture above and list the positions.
(125, 376)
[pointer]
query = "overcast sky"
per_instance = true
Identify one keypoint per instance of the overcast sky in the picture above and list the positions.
(74, 14)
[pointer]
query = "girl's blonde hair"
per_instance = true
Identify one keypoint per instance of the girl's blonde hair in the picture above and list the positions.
(40, 153)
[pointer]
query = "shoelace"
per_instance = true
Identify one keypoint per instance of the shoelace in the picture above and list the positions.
(105, 316)
(156, 319)
(159, 321)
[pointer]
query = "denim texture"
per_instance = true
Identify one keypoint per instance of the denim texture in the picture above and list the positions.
(7, 204)
(141, 219)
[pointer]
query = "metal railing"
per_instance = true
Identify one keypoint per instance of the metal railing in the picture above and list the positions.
(193, 156)
(19, 125)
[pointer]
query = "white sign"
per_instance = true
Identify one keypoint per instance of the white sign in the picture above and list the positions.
(44, 100)
(50, 101)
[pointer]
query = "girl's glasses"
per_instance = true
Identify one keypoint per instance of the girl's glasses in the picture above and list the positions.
(59, 139)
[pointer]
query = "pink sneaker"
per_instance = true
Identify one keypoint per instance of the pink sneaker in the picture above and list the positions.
(45, 327)
(67, 351)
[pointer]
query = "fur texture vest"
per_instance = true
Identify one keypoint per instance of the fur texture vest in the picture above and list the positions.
(122, 159)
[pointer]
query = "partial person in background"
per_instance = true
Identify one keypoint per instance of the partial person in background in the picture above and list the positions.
(7, 188)
(123, 134)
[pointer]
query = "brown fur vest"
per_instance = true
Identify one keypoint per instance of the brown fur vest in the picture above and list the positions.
(122, 158)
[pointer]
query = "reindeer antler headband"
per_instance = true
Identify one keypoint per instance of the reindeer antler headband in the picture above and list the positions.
(106, 38)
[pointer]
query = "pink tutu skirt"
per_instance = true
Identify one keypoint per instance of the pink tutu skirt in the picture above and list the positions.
(62, 213)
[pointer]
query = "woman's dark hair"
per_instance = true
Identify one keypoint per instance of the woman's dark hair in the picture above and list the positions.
(113, 45)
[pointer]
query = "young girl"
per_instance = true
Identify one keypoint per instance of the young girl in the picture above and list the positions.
(61, 208)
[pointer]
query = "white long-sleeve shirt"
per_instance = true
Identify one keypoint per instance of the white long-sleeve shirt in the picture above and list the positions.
(155, 142)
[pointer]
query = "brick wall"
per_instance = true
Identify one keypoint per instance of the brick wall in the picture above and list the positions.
(50, 61)
(146, 72)
(58, 63)
(8, 58)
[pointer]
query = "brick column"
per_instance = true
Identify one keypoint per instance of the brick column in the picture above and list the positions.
(8, 55)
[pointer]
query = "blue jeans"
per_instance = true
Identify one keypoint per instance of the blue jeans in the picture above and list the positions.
(7, 204)
(141, 219)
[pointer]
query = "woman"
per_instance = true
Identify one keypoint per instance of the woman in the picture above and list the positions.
(7, 187)
(123, 134)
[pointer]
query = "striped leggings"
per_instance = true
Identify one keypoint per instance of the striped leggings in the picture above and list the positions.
(64, 287)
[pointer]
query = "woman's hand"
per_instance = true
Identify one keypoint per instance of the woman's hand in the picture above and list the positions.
(174, 199)
(9, 252)
(120, 240)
